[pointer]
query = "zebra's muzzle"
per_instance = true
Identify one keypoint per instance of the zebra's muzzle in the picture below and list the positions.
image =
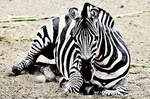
(86, 69)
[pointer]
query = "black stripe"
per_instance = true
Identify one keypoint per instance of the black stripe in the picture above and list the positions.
(45, 34)
(39, 49)
(55, 28)
(33, 48)
(39, 35)
(106, 19)
(102, 16)
(84, 11)
(35, 40)
(102, 47)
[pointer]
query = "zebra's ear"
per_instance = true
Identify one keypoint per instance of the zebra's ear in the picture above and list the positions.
(94, 13)
(90, 11)
(73, 13)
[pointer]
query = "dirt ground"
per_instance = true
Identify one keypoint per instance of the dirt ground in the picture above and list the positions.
(135, 31)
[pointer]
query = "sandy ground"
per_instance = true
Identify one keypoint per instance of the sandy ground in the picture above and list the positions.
(135, 31)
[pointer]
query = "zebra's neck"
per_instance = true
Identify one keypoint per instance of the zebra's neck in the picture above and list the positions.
(107, 47)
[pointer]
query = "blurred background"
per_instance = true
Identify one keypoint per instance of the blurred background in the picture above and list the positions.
(15, 40)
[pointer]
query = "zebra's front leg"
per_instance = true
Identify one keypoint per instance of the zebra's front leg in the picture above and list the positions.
(73, 83)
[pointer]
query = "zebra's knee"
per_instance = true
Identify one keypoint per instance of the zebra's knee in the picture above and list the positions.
(71, 85)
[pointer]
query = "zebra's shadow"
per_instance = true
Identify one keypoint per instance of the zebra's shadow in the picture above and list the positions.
(38, 67)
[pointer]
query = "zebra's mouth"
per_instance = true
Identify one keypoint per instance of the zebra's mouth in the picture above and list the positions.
(86, 69)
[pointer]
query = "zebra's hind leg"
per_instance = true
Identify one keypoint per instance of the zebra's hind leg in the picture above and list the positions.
(39, 44)
(29, 60)
(119, 89)
(16, 69)
(47, 76)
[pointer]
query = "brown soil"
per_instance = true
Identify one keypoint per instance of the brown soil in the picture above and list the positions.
(135, 31)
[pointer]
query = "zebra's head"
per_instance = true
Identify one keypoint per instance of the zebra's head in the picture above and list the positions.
(86, 30)
(85, 34)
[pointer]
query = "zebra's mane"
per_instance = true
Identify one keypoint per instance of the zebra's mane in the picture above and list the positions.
(108, 20)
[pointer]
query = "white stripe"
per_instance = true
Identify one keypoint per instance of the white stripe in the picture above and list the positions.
(70, 28)
(106, 48)
(62, 24)
(50, 30)
(111, 23)
(107, 21)
(100, 17)
(99, 45)
(47, 41)
(103, 21)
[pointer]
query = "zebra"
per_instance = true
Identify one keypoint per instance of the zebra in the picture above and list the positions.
(88, 51)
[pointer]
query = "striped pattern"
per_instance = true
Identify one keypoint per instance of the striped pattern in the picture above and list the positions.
(87, 50)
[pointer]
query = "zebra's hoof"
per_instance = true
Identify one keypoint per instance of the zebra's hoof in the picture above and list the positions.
(15, 70)
(64, 84)
(12, 71)
(8, 71)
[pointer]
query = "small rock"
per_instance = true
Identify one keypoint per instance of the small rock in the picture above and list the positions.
(122, 6)
(41, 79)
